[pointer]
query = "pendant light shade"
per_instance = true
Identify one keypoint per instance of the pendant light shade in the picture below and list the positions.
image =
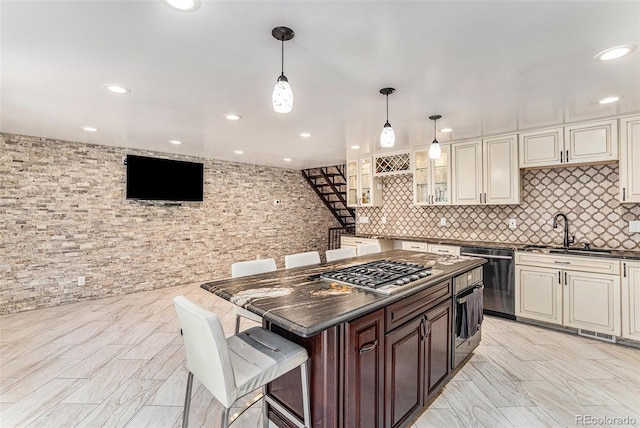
(387, 136)
(435, 151)
(282, 97)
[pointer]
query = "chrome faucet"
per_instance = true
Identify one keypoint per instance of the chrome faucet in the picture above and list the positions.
(565, 240)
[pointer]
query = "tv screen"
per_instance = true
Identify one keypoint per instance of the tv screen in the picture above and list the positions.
(164, 179)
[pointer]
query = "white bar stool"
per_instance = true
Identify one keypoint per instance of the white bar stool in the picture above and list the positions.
(340, 253)
(301, 259)
(364, 249)
(250, 267)
(233, 367)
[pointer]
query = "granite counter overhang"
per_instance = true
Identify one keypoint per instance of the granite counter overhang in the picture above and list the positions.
(306, 307)
(616, 254)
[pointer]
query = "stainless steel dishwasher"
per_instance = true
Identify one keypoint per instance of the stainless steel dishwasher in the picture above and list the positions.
(498, 279)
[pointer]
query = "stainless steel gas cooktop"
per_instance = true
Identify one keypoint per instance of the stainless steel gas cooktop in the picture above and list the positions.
(382, 276)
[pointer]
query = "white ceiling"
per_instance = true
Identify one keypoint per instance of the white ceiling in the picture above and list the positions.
(486, 67)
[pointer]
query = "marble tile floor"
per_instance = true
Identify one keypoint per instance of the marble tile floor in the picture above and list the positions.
(119, 362)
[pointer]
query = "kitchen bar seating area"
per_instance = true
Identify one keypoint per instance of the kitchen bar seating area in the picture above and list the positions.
(120, 362)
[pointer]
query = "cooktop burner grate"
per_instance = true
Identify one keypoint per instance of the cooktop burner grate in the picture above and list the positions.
(382, 275)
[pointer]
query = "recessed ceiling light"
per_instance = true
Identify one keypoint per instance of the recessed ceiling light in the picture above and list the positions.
(446, 130)
(305, 134)
(355, 147)
(615, 52)
(90, 129)
(117, 89)
(238, 152)
(176, 142)
(609, 100)
(183, 5)
(287, 159)
(232, 116)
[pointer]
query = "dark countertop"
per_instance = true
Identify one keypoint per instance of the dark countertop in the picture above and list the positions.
(290, 300)
(618, 254)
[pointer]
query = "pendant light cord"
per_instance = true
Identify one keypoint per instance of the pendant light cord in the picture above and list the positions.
(387, 108)
(434, 130)
(282, 59)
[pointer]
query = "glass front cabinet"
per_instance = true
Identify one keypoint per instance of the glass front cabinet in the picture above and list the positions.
(363, 190)
(432, 177)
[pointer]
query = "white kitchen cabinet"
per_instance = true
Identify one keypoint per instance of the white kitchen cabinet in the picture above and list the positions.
(538, 294)
(630, 159)
(448, 250)
(591, 301)
(363, 190)
(584, 143)
(631, 300)
(573, 291)
(431, 177)
(486, 171)
(415, 246)
(541, 148)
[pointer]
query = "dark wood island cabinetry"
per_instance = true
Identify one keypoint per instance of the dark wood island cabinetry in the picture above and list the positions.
(376, 360)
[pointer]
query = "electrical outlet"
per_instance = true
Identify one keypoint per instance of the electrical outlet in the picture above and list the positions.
(634, 226)
(81, 280)
(364, 219)
(443, 221)
(383, 220)
(512, 223)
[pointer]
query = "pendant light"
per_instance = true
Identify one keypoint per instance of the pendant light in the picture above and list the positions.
(435, 151)
(387, 136)
(282, 97)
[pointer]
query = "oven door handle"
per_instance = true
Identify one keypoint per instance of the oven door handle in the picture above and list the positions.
(487, 256)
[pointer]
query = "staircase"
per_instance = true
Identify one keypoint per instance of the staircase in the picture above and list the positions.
(330, 183)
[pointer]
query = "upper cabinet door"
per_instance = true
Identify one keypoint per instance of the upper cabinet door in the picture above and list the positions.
(352, 183)
(591, 142)
(432, 178)
(467, 172)
(421, 178)
(501, 174)
(630, 159)
(541, 148)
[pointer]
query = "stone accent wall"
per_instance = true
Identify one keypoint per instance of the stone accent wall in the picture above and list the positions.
(63, 214)
(588, 195)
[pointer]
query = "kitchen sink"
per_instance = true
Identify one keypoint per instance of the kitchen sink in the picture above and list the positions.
(564, 250)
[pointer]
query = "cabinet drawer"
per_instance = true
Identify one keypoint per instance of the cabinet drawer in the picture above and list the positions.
(560, 261)
(407, 308)
(449, 250)
(414, 246)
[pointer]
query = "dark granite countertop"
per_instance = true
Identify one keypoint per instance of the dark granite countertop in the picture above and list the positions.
(574, 251)
(305, 307)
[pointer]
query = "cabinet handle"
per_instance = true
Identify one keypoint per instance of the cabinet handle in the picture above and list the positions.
(624, 270)
(565, 278)
(561, 263)
(428, 329)
(485, 198)
(367, 347)
(567, 156)
(561, 152)
(624, 190)
(559, 278)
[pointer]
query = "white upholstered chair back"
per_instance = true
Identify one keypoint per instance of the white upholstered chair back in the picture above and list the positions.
(253, 267)
(364, 249)
(340, 253)
(206, 349)
(301, 259)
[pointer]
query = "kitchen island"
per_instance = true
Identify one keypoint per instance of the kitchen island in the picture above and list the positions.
(376, 359)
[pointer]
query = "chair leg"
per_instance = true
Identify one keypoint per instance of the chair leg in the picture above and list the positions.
(224, 423)
(305, 394)
(187, 401)
(265, 409)
(237, 324)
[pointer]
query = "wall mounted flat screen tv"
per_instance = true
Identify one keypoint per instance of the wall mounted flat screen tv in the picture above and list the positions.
(163, 179)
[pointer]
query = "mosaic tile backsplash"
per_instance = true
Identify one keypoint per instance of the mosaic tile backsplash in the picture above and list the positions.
(588, 195)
